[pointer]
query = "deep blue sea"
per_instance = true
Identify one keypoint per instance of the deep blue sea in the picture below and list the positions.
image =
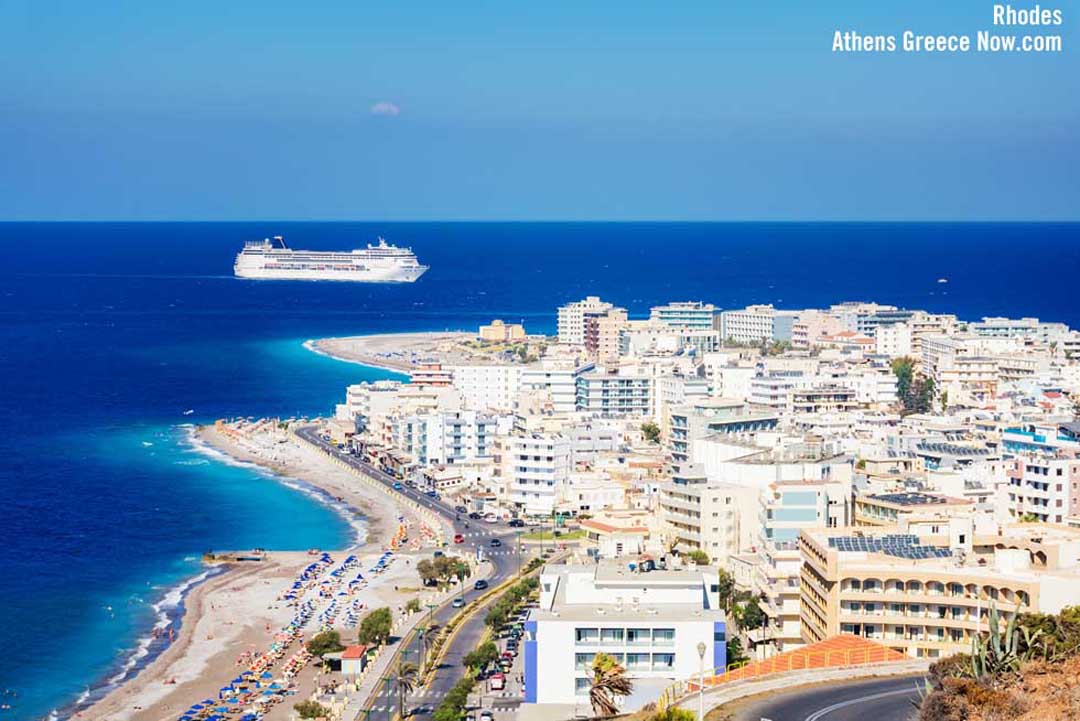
(109, 332)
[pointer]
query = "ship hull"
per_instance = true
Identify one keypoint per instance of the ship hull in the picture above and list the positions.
(368, 275)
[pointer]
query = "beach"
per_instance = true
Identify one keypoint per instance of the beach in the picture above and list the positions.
(242, 610)
(401, 352)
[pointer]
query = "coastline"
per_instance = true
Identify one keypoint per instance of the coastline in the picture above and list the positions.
(396, 352)
(234, 609)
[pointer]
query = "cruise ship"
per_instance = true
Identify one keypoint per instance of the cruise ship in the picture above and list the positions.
(272, 259)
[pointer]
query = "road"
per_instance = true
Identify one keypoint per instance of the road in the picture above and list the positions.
(891, 699)
(505, 561)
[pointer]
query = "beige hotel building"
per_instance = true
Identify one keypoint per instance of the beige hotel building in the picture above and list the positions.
(926, 595)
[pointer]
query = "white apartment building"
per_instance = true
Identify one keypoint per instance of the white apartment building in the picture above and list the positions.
(893, 340)
(448, 437)
(539, 464)
(571, 320)
(615, 392)
(752, 324)
(689, 314)
(557, 379)
(488, 387)
(651, 621)
(712, 516)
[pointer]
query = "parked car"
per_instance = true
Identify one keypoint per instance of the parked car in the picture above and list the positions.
(458, 538)
(497, 682)
(486, 715)
(495, 543)
(490, 518)
(480, 585)
(438, 554)
(432, 493)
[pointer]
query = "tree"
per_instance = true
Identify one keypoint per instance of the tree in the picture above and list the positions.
(426, 569)
(699, 557)
(311, 709)
(324, 643)
(484, 655)
(904, 370)
(608, 682)
(750, 616)
(375, 628)
(725, 586)
(651, 431)
(735, 653)
(413, 605)
(405, 677)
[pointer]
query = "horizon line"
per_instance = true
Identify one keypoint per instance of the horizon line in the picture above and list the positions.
(642, 221)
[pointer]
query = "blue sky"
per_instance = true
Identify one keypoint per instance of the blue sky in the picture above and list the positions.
(562, 109)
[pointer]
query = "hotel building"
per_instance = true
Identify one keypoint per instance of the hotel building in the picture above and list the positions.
(926, 596)
(651, 621)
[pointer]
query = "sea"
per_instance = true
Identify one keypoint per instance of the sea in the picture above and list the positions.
(116, 338)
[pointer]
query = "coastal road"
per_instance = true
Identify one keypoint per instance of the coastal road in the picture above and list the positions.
(890, 699)
(506, 559)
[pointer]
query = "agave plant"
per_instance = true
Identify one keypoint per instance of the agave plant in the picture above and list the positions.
(999, 653)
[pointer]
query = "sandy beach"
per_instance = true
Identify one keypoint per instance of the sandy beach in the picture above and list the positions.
(394, 351)
(241, 610)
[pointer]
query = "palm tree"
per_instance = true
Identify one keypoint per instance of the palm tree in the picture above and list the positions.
(405, 681)
(609, 680)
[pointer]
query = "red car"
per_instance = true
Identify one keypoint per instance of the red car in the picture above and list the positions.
(459, 538)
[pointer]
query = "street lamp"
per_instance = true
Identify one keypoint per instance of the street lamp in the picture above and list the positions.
(701, 681)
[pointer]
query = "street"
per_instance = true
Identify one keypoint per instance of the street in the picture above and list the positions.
(505, 559)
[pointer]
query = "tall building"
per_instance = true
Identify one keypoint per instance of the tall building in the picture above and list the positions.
(787, 507)
(603, 330)
(689, 314)
(571, 321)
(705, 515)
(539, 466)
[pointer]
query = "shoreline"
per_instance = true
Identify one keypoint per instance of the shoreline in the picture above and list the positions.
(198, 659)
(394, 352)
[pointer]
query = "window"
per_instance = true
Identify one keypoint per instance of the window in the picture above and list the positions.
(586, 635)
(637, 636)
(719, 637)
(663, 661)
(637, 662)
(663, 636)
(583, 660)
(582, 686)
(611, 635)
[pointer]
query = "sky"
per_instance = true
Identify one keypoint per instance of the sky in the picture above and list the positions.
(541, 110)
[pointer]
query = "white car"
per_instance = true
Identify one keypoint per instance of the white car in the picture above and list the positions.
(486, 715)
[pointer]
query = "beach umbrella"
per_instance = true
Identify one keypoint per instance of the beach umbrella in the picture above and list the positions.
(266, 674)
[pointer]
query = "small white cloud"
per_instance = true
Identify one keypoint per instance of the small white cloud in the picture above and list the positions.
(385, 108)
